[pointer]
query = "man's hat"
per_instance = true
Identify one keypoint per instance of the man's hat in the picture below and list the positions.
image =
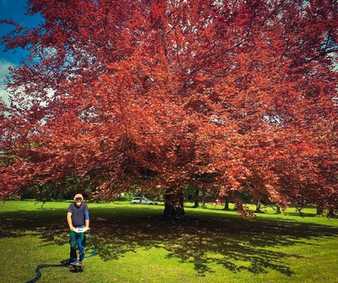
(78, 196)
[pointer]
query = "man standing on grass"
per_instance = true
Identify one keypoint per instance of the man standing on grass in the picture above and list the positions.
(77, 217)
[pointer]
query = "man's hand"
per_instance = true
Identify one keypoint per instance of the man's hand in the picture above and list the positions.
(86, 228)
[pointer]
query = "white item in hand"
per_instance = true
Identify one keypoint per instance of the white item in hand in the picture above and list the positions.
(80, 229)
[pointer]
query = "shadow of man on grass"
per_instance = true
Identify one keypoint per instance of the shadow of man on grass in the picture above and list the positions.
(38, 269)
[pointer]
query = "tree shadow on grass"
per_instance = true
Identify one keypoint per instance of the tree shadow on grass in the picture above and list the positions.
(234, 243)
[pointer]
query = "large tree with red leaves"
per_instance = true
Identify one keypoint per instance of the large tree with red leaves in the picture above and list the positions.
(230, 96)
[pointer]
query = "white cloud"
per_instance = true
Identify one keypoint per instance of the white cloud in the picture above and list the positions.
(4, 65)
(4, 96)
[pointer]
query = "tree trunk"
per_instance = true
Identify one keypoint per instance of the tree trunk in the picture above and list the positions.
(278, 210)
(226, 204)
(196, 198)
(331, 212)
(319, 210)
(203, 199)
(300, 212)
(173, 204)
(258, 207)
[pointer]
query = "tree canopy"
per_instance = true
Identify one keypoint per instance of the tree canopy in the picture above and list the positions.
(162, 93)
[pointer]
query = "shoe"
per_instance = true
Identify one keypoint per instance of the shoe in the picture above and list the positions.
(75, 263)
(78, 263)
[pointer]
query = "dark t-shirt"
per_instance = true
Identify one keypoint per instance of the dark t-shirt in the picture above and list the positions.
(79, 214)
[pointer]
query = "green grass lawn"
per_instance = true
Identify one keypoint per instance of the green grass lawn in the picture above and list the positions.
(134, 244)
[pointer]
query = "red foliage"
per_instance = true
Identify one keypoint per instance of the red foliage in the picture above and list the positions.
(159, 92)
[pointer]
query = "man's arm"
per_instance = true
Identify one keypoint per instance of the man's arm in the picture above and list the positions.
(86, 218)
(69, 220)
(87, 224)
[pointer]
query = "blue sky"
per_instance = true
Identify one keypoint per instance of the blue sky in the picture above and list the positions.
(14, 10)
